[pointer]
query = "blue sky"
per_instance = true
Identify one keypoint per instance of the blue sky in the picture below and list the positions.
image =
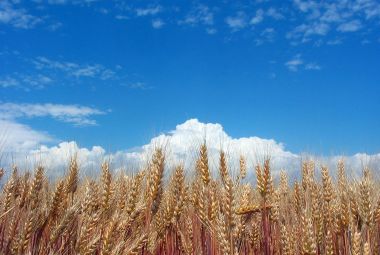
(116, 73)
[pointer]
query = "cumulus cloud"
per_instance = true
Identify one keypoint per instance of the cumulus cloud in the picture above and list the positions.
(20, 143)
(19, 138)
(181, 146)
(57, 157)
(74, 114)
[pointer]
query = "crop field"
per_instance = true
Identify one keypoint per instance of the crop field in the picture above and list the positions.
(143, 213)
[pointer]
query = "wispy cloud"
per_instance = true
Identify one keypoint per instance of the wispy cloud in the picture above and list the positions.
(121, 17)
(274, 13)
(306, 20)
(26, 82)
(312, 66)
(158, 23)
(8, 81)
(55, 26)
(87, 71)
(73, 114)
(237, 22)
(75, 2)
(74, 69)
(322, 17)
(350, 26)
(199, 15)
(304, 31)
(334, 42)
(17, 17)
(211, 31)
(37, 81)
(43, 72)
(267, 35)
(139, 86)
(296, 63)
(43, 62)
(258, 18)
(151, 10)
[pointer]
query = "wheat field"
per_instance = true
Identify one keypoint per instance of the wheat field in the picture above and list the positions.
(202, 213)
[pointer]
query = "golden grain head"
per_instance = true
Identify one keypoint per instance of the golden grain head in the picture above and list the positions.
(165, 209)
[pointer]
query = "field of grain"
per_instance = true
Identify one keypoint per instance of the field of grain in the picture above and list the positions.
(320, 213)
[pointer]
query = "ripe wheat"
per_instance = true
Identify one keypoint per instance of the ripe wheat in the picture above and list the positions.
(146, 213)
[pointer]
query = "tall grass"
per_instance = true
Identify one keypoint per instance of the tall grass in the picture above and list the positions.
(143, 214)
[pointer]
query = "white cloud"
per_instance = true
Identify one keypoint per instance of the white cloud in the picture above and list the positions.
(267, 35)
(55, 26)
(305, 6)
(139, 86)
(237, 22)
(274, 13)
(306, 30)
(334, 42)
(43, 62)
(350, 26)
(183, 143)
(297, 62)
(294, 63)
(26, 82)
(332, 14)
(259, 17)
(16, 17)
(74, 69)
(181, 146)
(157, 23)
(57, 1)
(57, 157)
(37, 81)
(19, 138)
(199, 15)
(312, 66)
(319, 17)
(39, 72)
(74, 114)
(7, 82)
(121, 17)
(75, 2)
(87, 71)
(152, 10)
(211, 31)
